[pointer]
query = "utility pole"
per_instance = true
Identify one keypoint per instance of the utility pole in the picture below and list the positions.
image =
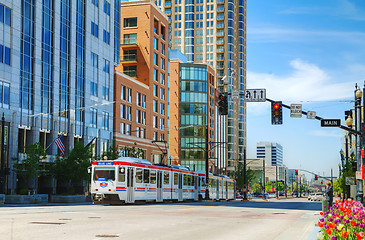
(206, 163)
(244, 175)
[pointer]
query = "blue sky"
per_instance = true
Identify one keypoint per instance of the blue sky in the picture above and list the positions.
(308, 52)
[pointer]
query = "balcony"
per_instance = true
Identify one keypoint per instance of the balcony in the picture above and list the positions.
(220, 49)
(220, 57)
(220, 8)
(220, 66)
(220, 1)
(220, 16)
(220, 41)
(131, 73)
(220, 25)
(220, 33)
(129, 58)
(168, 4)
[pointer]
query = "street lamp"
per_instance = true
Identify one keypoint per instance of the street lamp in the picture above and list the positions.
(358, 122)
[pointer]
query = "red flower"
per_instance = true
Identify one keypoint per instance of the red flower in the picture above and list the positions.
(344, 234)
(329, 231)
(321, 213)
(358, 236)
(331, 224)
(353, 223)
(320, 224)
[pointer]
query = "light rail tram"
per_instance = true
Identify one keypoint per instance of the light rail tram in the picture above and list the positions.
(127, 180)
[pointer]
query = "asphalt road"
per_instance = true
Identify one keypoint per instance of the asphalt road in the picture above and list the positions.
(256, 219)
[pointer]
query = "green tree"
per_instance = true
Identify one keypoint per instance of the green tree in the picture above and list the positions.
(111, 153)
(72, 169)
(30, 168)
(238, 175)
(133, 151)
(256, 187)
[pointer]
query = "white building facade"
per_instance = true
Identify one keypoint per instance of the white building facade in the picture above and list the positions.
(271, 152)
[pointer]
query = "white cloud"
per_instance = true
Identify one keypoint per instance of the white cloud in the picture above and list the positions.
(326, 133)
(305, 82)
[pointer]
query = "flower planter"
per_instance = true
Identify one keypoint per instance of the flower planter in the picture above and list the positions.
(26, 199)
(68, 198)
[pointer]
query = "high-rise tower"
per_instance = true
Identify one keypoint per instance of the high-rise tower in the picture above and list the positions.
(214, 32)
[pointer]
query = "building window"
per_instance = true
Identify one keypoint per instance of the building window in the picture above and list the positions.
(93, 117)
(4, 94)
(155, 90)
(140, 132)
(141, 100)
(105, 122)
(94, 29)
(155, 136)
(155, 43)
(94, 82)
(155, 122)
(125, 112)
(107, 8)
(162, 78)
(130, 55)
(5, 15)
(130, 38)
(4, 55)
(155, 106)
(155, 74)
(140, 117)
(162, 49)
(125, 93)
(130, 71)
(130, 22)
(162, 109)
(95, 2)
(162, 123)
(125, 128)
(162, 93)
(155, 59)
(162, 63)
(106, 36)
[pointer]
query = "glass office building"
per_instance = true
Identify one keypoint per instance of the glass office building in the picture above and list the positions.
(56, 73)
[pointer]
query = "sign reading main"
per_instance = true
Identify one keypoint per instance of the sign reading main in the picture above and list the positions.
(330, 122)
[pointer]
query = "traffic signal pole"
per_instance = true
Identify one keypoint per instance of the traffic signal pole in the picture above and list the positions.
(319, 118)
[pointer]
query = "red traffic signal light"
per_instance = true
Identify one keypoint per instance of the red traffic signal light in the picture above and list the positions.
(296, 172)
(276, 113)
(315, 177)
(222, 104)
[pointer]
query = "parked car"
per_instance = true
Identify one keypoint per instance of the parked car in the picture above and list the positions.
(317, 197)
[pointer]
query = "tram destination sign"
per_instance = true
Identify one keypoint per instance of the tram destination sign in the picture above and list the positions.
(330, 122)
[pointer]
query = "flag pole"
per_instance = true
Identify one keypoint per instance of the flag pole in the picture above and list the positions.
(52, 143)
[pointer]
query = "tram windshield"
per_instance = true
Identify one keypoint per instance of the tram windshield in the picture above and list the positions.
(104, 174)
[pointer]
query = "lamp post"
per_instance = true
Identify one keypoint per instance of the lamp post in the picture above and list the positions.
(358, 122)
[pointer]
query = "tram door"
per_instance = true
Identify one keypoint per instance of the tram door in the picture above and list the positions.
(130, 186)
(180, 187)
(159, 186)
(196, 182)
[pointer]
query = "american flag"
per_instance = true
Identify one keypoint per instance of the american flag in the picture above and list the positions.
(60, 144)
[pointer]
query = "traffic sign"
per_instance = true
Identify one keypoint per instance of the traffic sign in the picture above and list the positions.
(311, 115)
(235, 94)
(255, 95)
(330, 122)
(296, 110)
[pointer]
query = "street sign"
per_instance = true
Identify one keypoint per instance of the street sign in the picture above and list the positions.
(311, 115)
(296, 110)
(235, 94)
(330, 122)
(255, 95)
(358, 175)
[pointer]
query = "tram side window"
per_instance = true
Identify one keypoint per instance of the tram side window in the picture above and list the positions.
(185, 180)
(121, 177)
(139, 175)
(153, 176)
(176, 179)
(203, 182)
(166, 177)
(189, 180)
(146, 176)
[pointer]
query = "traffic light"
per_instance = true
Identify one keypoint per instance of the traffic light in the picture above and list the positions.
(276, 113)
(296, 172)
(315, 177)
(222, 104)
